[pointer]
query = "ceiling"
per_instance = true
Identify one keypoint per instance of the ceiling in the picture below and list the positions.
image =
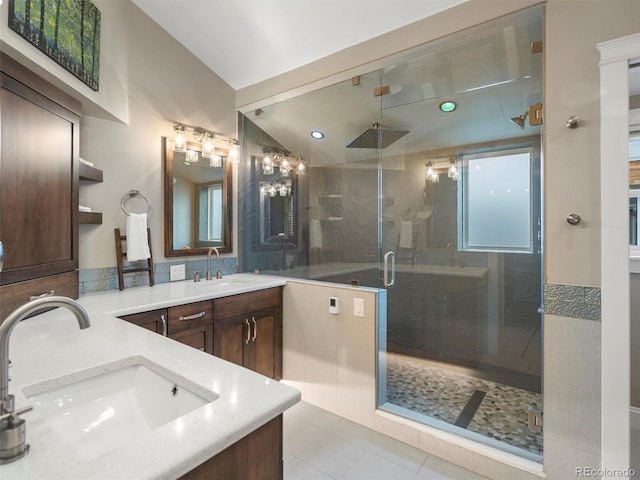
(248, 41)
(490, 71)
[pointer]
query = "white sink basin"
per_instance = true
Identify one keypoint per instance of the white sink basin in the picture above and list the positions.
(221, 283)
(109, 408)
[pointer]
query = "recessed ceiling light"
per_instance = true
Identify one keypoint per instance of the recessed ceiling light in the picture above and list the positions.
(317, 134)
(448, 106)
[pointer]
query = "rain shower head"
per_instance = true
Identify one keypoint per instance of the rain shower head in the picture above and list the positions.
(376, 137)
(519, 121)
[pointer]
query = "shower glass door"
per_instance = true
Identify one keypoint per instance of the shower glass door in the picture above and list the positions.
(460, 209)
(426, 187)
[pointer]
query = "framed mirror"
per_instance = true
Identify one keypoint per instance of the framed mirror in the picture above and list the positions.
(197, 202)
(277, 200)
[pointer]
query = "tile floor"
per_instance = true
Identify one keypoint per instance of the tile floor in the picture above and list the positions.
(422, 387)
(319, 445)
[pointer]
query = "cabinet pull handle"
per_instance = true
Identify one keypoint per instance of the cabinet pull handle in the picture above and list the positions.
(194, 316)
(164, 324)
(248, 339)
(45, 294)
(255, 329)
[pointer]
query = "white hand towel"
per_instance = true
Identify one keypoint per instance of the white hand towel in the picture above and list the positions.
(137, 240)
(406, 235)
(315, 234)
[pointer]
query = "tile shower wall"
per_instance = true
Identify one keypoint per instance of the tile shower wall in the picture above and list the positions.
(101, 279)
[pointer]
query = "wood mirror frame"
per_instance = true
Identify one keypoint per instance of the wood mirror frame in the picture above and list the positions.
(225, 246)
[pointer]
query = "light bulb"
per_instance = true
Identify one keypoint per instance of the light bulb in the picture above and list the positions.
(179, 140)
(208, 148)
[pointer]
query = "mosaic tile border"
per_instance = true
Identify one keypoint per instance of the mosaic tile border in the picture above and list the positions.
(102, 279)
(573, 301)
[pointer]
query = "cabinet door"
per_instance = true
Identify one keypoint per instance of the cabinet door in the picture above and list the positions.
(38, 184)
(154, 320)
(198, 337)
(232, 339)
(262, 351)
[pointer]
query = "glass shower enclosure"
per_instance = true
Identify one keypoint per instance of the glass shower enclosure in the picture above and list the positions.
(427, 187)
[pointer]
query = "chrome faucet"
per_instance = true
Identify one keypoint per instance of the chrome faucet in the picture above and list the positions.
(12, 428)
(218, 273)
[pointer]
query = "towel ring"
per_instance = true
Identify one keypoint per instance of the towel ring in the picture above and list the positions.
(408, 215)
(131, 194)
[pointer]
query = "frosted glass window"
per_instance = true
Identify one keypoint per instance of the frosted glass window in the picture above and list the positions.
(496, 202)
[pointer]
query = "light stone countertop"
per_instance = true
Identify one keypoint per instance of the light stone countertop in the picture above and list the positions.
(51, 345)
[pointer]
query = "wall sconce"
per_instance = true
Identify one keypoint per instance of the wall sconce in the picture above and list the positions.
(301, 169)
(207, 139)
(267, 165)
(179, 140)
(277, 158)
(208, 148)
(429, 172)
(191, 156)
(285, 167)
(234, 150)
(453, 173)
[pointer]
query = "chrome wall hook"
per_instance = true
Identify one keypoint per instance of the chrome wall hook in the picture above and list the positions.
(573, 122)
(573, 219)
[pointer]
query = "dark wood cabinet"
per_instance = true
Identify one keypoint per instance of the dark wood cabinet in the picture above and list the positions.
(38, 187)
(154, 320)
(248, 330)
(258, 456)
(244, 329)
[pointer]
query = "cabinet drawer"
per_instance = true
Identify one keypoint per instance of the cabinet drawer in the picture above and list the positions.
(154, 320)
(188, 316)
(245, 303)
(14, 295)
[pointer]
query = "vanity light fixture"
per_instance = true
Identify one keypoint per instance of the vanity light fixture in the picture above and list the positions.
(208, 148)
(301, 169)
(453, 173)
(191, 156)
(267, 165)
(179, 140)
(285, 167)
(234, 150)
(215, 161)
(317, 134)
(204, 137)
(448, 106)
(429, 172)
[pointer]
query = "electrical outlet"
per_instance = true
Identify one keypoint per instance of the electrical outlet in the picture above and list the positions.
(358, 307)
(176, 272)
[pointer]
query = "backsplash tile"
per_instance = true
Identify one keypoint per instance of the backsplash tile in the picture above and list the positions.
(574, 301)
(103, 279)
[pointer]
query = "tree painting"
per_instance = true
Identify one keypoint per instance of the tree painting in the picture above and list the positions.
(68, 31)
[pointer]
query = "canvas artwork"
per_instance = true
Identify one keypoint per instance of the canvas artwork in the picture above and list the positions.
(68, 31)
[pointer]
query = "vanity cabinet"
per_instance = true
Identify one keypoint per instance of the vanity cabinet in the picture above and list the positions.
(154, 320)
(39, 148)
(258, 456)
(192, 324)
(245, 329)
(248, 330)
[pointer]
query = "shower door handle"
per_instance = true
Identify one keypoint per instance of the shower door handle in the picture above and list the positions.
(389, 257)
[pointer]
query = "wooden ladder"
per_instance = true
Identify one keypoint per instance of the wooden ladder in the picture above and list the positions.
(120, 255)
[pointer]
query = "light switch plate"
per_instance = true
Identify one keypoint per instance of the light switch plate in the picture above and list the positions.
(176, 272)
(358, 307)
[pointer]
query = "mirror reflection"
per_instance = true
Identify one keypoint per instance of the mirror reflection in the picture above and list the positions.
(197, 201)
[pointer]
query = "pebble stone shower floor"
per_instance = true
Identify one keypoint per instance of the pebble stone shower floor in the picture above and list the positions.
(420, 386)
